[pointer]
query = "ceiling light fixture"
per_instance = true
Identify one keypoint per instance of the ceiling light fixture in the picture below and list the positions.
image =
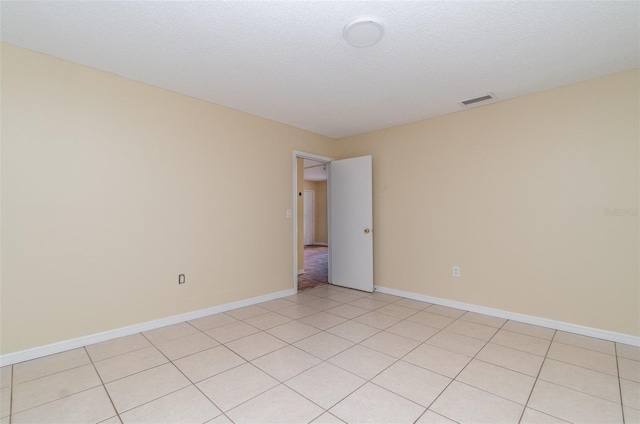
(363, 32)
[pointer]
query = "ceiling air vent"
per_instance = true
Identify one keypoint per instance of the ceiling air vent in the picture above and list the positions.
(480, 99)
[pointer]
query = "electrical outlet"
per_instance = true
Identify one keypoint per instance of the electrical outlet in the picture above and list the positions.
(456, 271)
(181, 279)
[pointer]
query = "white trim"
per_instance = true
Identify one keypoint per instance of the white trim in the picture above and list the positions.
(301, 271)
(529, 319)
(317, 243)
(50, 349)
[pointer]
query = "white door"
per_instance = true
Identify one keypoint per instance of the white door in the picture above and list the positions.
(308, 208)
(351, 223)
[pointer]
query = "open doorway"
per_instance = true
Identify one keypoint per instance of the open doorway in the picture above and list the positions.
(311, 252)
(315, 226)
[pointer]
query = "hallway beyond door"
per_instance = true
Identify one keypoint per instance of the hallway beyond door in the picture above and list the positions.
(316, 268)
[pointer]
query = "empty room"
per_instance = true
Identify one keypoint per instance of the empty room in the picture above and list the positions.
(476, 218)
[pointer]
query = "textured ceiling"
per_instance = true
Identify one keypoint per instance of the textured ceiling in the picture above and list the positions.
(287, 61)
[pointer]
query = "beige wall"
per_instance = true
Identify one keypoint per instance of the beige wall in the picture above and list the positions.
(111, 188)
(514, 193)
(319, 209)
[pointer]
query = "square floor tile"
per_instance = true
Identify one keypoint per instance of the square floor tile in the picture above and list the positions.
(368, 303)
(322, 304)
(384, 297)
(414, 304)
(301, 298)
(48, 365)
(186, 405)
(110, 348)
(430, 319)
(599, 345)
(325, 384)
(286, 362)
(373, 404)
(353, 331)
(630, 393)
(230, 332)
(412, 382)
(456, 343)
(437, 360)
(584, 358)
(344, 297)
(362, 361)
(52, 387)
(5, 402)
(412, 330)
(293, 331)
(628, 351)
(466, 404)
(446, 311)
(513, 359)
(573, 406)
(497, 380)
(297, 311)
(170, 332)
(581, 379)
(323, 345)
(629, 369)
(212, 321)
(483, 319)
(89, 406)
(377, 320)
(348, 311)
(327, 418)
(208, 363)
(247, 312)
(5, 376)
(323, 320)
(137, 389)
(278, 405)
(233, 387)
(179, 348)
(126, 364)
(472, 329)
(529, 329)
(396, 311)
(531, 416)
(268, 320)
(631, 415)
(255, 345)
(391, 344)
(522, 342)
(276, 304)
(430, 417)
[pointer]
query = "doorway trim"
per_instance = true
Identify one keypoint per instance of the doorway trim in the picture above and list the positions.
(303, 155)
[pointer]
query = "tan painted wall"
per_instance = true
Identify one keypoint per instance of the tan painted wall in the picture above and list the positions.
(111, 188)
(319, 209)
(515, 194)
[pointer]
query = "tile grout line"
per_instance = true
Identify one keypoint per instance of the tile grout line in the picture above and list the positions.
(615, 349)
(104, 387)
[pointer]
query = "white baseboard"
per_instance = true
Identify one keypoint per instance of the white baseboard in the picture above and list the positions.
(301, 271)
(529, 319)
(317, 243)
(50, 349)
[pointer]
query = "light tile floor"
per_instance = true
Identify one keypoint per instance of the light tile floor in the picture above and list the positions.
(332, 355)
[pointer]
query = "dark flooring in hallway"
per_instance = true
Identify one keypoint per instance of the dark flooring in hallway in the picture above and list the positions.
(316, 268)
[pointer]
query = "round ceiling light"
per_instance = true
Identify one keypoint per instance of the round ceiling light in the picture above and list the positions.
(363, 32)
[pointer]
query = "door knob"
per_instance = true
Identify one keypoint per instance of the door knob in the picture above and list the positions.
(367, 230)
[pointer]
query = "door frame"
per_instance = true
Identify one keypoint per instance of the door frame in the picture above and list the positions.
(304, 155)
